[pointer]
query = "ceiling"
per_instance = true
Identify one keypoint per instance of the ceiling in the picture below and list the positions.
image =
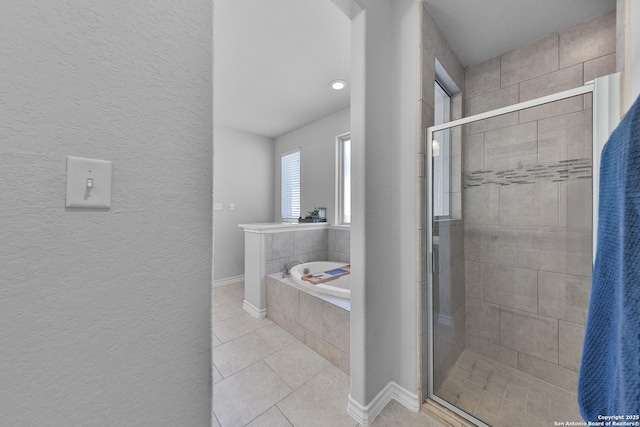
(274, 59)
(479, 30)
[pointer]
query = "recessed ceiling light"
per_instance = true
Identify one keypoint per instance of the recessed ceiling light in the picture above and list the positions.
(338, 84)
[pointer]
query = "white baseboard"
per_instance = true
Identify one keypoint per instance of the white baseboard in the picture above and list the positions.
(253, 311)
(366, 414)
(228, 281)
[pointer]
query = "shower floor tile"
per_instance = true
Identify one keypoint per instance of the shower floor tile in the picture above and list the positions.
(503, 396)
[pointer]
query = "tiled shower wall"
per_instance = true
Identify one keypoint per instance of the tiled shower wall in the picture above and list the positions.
(327, 244)
(527, 202)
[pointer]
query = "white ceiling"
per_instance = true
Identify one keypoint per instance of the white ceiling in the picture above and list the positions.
(274, 59)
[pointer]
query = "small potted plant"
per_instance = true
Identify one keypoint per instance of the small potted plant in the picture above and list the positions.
(312, 216)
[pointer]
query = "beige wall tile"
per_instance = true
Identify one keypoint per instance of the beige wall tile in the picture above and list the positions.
(456, 174)
(302, 242)
(532, 60)
(491, 244)
(427, 115)
(335, 326)
(473, 236)
(474, 285)
(561, 250)
(457, 104)
(283, 244)
(482, 320)
(552, 373)
(576, 204)
(499, 122)
(482, 204)
(493, 351)
(599, 67)
(428, 68)
(511, 148)
(317, 344)
(310, 313)
(427, 51)
(588, 40)
(588, 101)
(511, 287)
(449, 61)
(530, 334)
(571, 343)
(482, 78)
(564, 79)
(339, 358)
(283, 298)
(564, 296)
(492, 100)
(529, 204)
(286, 323)
(473, 152)
(565, 106)
(565, 137)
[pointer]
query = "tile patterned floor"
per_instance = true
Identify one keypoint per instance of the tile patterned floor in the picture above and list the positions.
(264, 377)
(502, 396)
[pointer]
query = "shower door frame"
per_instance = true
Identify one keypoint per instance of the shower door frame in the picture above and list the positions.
(605, 114)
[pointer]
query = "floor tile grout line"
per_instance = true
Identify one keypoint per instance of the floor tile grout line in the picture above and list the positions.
(258, 336)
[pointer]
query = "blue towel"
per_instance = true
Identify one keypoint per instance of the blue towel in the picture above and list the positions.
(610, 372)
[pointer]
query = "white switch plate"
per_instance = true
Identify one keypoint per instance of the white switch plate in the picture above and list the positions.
(232, 206)
(217, 206)
(79, 170)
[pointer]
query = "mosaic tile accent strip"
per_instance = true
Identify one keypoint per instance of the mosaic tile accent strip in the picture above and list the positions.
(561, 171)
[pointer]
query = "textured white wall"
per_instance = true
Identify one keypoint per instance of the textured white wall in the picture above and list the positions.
(384, 253)
(105, 315)
(244, 176)
(317, 142)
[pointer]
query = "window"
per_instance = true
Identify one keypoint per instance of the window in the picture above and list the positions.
(343, 195)
(441, 145)
(290, 185)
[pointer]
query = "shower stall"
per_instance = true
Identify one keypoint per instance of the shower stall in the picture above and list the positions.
(509, 264)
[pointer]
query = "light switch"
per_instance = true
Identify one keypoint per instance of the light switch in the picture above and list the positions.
(232, 206)
(88, 183)
(217, 206)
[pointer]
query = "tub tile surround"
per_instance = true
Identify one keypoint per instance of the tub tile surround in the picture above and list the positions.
(327, 244)
(264, 376)
(314, 320)
(527, 206)
(270, 246)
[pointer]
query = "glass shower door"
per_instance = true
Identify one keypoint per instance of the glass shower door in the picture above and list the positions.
(511, 266)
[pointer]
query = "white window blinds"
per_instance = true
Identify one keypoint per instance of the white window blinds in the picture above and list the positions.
(290, 185)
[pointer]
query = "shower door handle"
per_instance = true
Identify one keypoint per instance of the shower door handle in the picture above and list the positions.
(431, 259)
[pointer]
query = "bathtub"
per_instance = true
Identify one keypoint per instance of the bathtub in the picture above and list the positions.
(339, 287)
